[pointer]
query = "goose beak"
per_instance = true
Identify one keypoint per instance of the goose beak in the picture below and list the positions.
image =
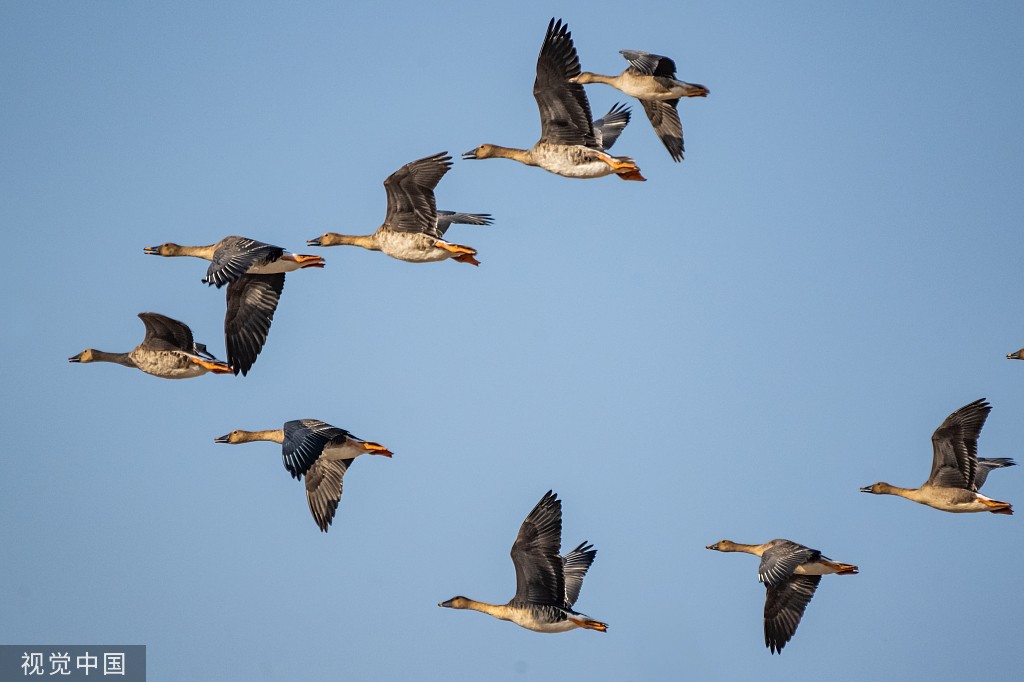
(152, 250)
(313, 242)
(866, 489)
(75, 358)
(223, 439)
(471, 154)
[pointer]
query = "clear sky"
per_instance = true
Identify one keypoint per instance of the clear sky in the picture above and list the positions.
(729, 350)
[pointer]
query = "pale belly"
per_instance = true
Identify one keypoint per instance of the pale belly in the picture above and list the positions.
(813, 569)
(280, 265)
(346, 451)
(647, 88)
(959, 507)
(411, 247)
(167, 365)
(572, 162)
(952, 499)
(524, 619)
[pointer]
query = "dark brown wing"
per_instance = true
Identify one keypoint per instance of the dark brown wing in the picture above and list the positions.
(564, 110)
(445, 219)
(163, 333)
(987, 464)
(574, 568)
(539, 578)
(779, 561)
(323, 489)
(304, 442)
(608, 128)
(665, 119)
(410, 190)
(784, 607)
(235, 256)
(955, 447)
(251, 303)
(648, 64)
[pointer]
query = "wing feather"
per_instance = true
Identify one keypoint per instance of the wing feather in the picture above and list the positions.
(446, 219)
(539, 578)
(955, 447)
(163, 333)
(410, 191)
(574, 568)
(235, 255)
(565, 116)
(251, 303)
(647, 64)
(323, 489)
(304, 442)
(784, 606)
(779, 562)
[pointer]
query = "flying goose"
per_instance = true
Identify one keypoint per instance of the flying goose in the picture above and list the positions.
(320, 452)
(547, 585)
(957, 471)
(790, 573)
(167, 351)
(413, 229)
(651, 78)
(254, 273)
(568, 144)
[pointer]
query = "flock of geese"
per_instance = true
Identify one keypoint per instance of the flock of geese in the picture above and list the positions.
(572, 145)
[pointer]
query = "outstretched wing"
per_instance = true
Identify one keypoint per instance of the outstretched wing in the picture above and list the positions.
(565, 116)
(235, 256)
(648, 64)
(410, 190)
(784, 606)
(539, 578)
(323, 489)
(251, 303)
(305, 440)
(608, 128)
(955, 447)
(665, 119)
(987, 464)
(779, 561)
(163, 333)
(445, 219)
(574, 568)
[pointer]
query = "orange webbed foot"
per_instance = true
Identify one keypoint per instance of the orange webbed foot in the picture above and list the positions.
(215, 367)
(466, 258)
(377, 449)
(463, 254)
(997, 507)
(306, 261)
(632, 175)
(592, 624)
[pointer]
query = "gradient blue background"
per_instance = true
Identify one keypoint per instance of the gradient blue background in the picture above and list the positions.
(729, 350)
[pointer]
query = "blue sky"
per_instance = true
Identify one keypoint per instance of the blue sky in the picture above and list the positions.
(729, 350)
